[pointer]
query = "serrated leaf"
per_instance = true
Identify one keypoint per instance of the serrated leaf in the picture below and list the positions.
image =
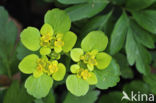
(103, 60)
(98, 22)
(94, 40)
(142, 36)
(59, 75)
(150, 80)
(118, 34)
(28, 64)
(39, 87)
(76, 53)
(90, 97)
(138, 4)
(126, 71)
(17, 94)
(108, 77)
(82, 11)
(77, 86)
(136, 53)
(58, 19)
(69, 39)
(146, 19)
(30, 38)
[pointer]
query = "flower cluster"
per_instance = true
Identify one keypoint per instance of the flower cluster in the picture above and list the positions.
(88, 58)
(51, 42)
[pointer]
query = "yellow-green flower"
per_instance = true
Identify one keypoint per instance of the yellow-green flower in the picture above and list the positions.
(53, 38)
(88, 58)
(39, 66)
(92, 59)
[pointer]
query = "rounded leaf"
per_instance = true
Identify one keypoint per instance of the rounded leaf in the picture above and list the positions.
(28, 64)
(45, 51)
(59, 75)
(103, 60)
(108, 77)
(92, 80)
(69, 39)
(39, 87)
(30, 38)
(74, 68)
(58, 19)
(76, 53)
(46, 29)
(94, 40)
(77, 86)
(37, 73)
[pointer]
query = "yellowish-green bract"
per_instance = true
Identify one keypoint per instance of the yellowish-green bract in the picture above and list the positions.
(53, 39)
(88, 58)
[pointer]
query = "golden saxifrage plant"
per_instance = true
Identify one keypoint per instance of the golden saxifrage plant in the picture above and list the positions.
(51, 42)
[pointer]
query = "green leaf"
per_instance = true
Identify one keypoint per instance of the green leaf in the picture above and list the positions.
(107, 98)
(45, 51)
(137, 53)
(138, 4)
(142, 36)
(30, 38)
(17, 94)
(103, 60)
(49, 1)
(92, 80)
(59, 75)
(38, 101)
(146, 19)
(76, 53)
(108, 77)
(82, 11)
(119, 33)
(50, 98)
(3, 69)
(74, 68)
(77, 86)
(72, 1)
(39, 87)
(22, 51)
(69, 39)
(90, 97)
(118, 2)
(150, 80)
(126, 71)
(28, 64)
(135, 87)
(58, 19)
(46, 29)
(8, 35)
(94, 40)
(98, 22)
